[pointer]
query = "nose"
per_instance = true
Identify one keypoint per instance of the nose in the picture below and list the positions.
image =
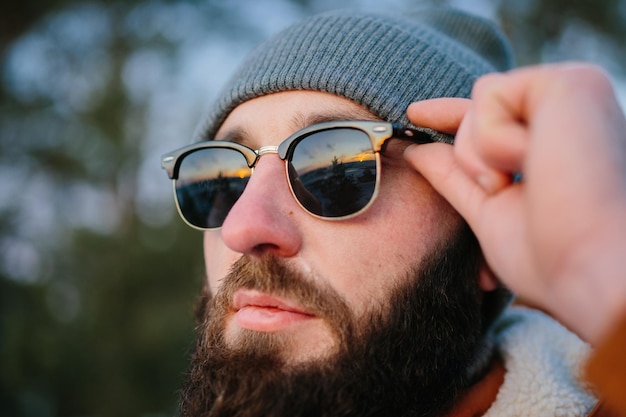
(262, 220)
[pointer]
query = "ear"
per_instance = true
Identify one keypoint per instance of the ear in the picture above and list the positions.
(487, 280)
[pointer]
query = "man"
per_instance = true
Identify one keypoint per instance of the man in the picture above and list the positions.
(339, 281)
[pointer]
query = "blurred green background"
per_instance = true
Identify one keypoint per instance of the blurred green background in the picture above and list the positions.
(98, 276)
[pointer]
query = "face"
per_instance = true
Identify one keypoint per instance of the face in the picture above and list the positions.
(383, 307)
(348, 257)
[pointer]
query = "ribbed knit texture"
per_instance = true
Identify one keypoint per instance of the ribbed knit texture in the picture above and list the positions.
(382, 62)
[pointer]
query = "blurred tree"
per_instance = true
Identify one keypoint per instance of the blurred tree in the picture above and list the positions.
(98, 276)
(97, 295)
(555, 30)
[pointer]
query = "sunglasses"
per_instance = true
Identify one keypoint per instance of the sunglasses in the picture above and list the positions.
(333, 170)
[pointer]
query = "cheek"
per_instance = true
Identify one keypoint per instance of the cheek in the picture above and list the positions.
(369, 256)
(412, 214)
(425, 216)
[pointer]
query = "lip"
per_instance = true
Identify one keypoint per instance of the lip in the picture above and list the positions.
(264, 312)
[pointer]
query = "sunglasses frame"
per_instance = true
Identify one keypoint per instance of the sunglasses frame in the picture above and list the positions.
(377, 131)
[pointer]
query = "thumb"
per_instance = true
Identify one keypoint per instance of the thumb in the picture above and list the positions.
(436, 162)
(492, 218)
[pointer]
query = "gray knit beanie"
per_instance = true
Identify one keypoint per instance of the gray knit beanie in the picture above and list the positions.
(382, 62)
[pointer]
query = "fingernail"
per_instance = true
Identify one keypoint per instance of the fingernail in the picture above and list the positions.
(493, 182)
(487, 183)
(409, 148)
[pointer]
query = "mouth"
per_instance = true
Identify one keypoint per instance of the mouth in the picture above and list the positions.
(267, 313)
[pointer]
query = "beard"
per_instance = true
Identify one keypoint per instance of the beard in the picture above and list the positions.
(409, 356)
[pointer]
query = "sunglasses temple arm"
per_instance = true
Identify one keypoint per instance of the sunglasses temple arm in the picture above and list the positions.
(426, 135)
(421, 136)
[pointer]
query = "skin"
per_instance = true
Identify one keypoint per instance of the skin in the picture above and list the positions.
(350, 256)
(558, 239)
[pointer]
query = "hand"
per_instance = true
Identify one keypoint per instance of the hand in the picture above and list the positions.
(558, 238)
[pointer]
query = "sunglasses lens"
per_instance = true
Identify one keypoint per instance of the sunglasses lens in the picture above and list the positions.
(333, 172)
(209, 183)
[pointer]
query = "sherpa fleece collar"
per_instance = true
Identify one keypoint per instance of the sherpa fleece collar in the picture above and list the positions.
(544, 363)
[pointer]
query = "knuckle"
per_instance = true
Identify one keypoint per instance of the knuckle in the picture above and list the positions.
(484, 84)
(584, 76)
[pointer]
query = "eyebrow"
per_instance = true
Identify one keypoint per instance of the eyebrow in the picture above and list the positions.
(300, 121)
(241, 134)
(238, 134)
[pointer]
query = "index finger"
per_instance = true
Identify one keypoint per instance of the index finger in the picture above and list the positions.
(444, 114)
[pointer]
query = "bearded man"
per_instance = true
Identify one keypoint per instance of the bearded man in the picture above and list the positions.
(340, 283)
